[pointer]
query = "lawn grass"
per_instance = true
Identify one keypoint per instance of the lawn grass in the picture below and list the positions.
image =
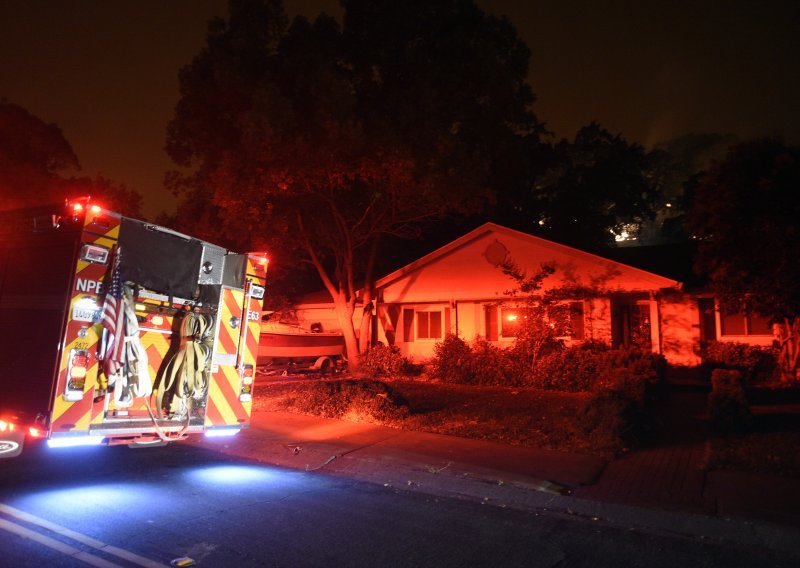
(771, 445)
(527, 417)
(516, 416)
(775, 453)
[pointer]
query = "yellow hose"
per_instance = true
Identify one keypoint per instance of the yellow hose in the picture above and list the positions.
(185, 377)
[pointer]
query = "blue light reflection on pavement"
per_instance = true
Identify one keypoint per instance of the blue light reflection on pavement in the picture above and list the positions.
(234, 474)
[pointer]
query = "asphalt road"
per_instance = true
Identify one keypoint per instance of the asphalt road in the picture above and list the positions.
(147, 507)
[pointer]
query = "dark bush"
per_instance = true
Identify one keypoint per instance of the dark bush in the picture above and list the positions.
(351, 399)
(489, 365)
(451, 360)
(586, 366)
(615, 416)
(384, 361)
(573, 369)
(727, 406)
(481, 363)
(649, 368)
(758, 365)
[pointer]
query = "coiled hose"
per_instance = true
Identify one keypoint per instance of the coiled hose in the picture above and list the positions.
(185, 377)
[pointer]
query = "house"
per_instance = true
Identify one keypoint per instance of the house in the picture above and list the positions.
(461, 288)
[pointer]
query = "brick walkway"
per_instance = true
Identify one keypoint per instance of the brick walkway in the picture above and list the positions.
(668, 475)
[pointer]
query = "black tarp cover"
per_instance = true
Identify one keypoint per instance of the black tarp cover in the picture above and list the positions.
(159, 261)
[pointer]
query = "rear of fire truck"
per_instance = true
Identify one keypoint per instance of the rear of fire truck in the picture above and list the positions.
(117, 331)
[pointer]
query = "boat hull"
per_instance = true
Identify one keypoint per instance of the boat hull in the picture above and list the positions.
(274, 345)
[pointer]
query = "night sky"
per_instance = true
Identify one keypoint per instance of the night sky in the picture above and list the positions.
(106, 71)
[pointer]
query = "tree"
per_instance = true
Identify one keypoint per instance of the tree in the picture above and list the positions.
(34, 156)
(745, 215)
(598, 188)
(38, 165)
(339, 138)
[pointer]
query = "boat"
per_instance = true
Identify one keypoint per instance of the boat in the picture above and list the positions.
(282, 343)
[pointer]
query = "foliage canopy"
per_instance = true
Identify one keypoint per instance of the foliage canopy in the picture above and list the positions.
(339, 136)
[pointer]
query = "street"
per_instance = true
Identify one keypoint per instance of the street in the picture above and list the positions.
(147, 507)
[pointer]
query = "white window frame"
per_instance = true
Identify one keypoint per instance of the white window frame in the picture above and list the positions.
(418, 311)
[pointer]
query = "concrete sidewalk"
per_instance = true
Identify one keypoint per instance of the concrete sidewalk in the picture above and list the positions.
(662, 488)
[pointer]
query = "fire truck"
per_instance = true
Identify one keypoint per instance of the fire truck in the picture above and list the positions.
(118, 331)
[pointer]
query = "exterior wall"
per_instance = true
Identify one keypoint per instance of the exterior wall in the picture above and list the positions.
(419, 349)
(680, 329)
(469, 320)
(597, 319)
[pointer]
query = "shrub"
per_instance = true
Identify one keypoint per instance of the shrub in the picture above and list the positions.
(536, 339)
(352, 399)
(649, 367)
(573, 369)
(482, 363)
(615, 416)
(450, 361)
(727, 406)
(489, 364)
(585, 366)
(384, 361)
(758, 365)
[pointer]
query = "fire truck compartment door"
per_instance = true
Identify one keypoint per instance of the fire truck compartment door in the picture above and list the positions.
(158, 260)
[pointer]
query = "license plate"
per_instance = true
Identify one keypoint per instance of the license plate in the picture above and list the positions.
(83, 314)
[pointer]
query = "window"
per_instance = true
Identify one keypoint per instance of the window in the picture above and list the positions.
(429, 325)
(743, 323)
(512, 319)
(566, 319)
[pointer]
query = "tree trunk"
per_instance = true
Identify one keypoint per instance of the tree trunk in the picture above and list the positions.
(787, 333)
(365, 335)
(344, 313)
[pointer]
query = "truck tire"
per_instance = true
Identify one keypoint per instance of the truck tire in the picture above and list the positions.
(11, 444)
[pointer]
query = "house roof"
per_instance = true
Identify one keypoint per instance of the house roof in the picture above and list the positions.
(487, 228)
(659, 268)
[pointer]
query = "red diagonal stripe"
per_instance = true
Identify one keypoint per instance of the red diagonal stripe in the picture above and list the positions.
(226, 339)
(213, 415)
(232, 398)
(231, 303)
(75, 412)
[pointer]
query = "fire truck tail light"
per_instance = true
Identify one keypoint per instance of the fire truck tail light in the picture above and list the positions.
(96, 209)
(6, 426)
(35, 432)
(77, 207)
(246, 392)
(76, 375)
